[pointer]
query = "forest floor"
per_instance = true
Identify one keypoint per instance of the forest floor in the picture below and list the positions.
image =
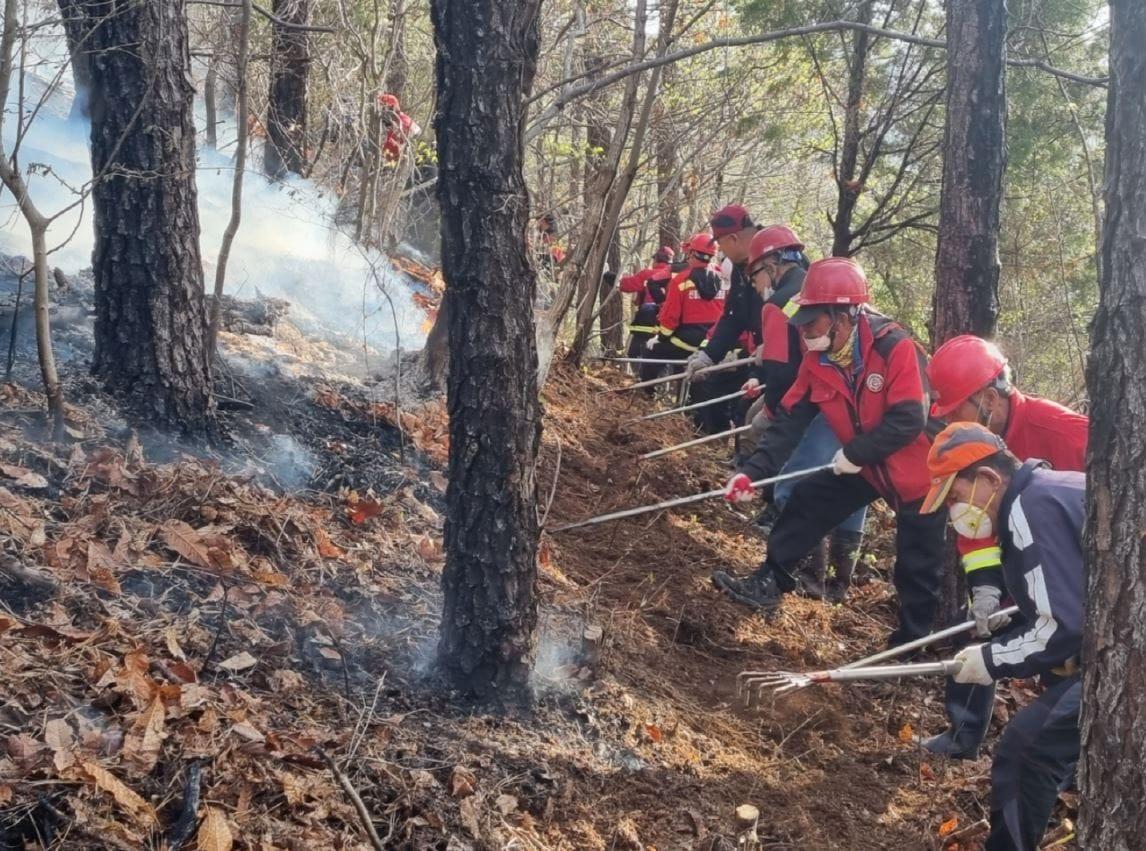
(191, 641)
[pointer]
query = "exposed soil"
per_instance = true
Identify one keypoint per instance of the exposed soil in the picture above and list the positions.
(161, 616)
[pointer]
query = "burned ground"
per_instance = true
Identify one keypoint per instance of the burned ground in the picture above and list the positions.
(191, 617)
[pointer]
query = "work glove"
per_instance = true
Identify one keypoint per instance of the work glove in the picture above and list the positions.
(752, 388)
(972, 666)
(841, 466)
(651, 344)
(739, 489)
(758, 356)
(697, 361)
(985, 603)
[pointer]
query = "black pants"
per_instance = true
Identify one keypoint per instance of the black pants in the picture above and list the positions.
(637, 341)
(662, 351)
(821, 502)
(1036, 753)
(714, 419)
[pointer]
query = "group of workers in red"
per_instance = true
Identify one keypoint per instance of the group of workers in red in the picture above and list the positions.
(834, 382)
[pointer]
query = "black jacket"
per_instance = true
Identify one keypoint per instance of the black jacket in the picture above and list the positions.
(741, 313)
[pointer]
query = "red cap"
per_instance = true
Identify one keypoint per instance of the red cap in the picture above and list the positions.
(732, 218)
(960, 368)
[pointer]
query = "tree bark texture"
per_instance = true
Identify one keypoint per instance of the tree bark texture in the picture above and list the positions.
(286, 110)
(150, 324)
(668, 177)
(848, 187)
(486, 61)
(974, 158)
(1114, 649)
(611, 306)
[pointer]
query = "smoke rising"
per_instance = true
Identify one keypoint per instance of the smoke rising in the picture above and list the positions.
(286, 247)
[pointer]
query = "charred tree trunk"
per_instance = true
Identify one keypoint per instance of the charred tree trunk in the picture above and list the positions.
(1114, 648)
(210, 105)
(150, 328)
(486, 61)
(974, 158)
(286, 109)
(847, 185)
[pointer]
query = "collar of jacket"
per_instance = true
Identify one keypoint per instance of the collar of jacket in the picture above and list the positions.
(1016, 413)
(1018, 484)
(789, 284)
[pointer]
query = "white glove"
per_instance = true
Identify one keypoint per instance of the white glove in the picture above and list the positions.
(697, 361)
(841, 466)
(651, 344)
(985, 603)
(972, 666)
(758, 356)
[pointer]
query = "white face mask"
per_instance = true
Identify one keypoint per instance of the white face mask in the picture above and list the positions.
(818, 344)
(971, 521)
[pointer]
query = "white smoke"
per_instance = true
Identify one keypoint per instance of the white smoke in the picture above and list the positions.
(287, 245)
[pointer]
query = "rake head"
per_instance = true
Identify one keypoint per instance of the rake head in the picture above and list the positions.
(751, 685)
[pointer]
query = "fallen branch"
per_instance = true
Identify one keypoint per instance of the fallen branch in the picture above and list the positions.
(352, 794)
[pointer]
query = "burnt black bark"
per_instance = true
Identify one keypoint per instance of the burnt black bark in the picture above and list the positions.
(286, 110)
(486, 61)
(974, 158)
(1114, 649)
(150, 324)
(611, 305)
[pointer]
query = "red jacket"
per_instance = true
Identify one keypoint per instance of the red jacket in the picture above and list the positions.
(878, 416)
(685, 305)
(392, 147)
(657, 275)
(1036, 428)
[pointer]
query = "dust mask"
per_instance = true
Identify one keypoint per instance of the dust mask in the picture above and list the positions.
(818, 344)
(971, 521)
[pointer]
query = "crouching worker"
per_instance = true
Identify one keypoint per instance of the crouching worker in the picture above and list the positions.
(864, 374)
(1038, 514)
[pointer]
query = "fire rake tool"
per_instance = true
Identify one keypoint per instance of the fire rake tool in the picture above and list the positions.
(651, 361)
(749, 683)
(685, 500)
(691, 407)
(732, 432)
(652, 382)
(784, 682)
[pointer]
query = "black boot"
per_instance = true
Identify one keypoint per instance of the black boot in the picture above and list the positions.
(843, 553)
(969, 708)
(760, 590)
(810, 573)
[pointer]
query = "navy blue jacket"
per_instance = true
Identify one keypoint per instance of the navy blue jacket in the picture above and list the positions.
(742, 308)
(1041, 515)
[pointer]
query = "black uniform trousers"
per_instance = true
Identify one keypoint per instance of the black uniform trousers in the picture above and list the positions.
(1035, 755)
(821, 502)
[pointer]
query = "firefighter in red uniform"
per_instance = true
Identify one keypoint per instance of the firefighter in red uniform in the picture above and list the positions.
(777, 267)
(649, 288)
(693, 303)
(971, 382)
(865, 375)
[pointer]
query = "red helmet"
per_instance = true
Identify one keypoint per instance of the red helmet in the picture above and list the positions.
(770, 240)
(701, 243)
(664, 254)
(833, 280)
(961, 367)
(388, 100)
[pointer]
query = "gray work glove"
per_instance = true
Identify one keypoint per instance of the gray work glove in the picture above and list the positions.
(985, 603)
(696, 361)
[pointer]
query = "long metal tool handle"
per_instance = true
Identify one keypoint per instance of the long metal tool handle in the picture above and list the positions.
(893, 652)
(889, 672)
(706, 439)
(652, 361)
(685, 500)
(652, 382)
(694, 406)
